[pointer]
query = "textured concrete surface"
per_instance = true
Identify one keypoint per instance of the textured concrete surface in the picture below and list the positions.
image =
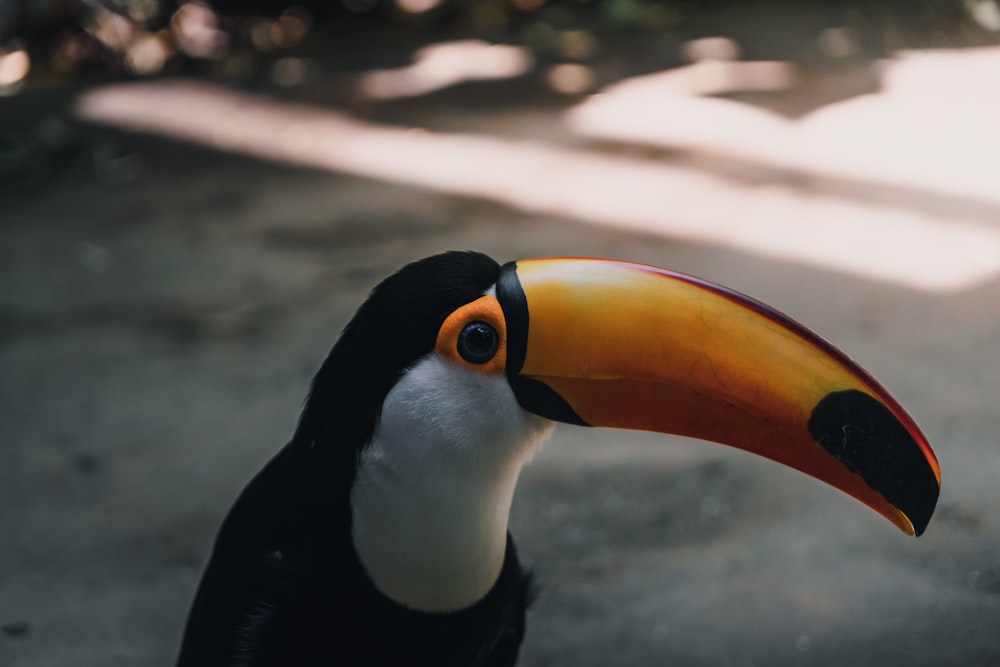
(163, 306)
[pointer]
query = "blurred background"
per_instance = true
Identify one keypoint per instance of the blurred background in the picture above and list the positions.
(195, 196)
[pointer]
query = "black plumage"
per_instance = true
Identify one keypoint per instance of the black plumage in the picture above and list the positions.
(284, 585)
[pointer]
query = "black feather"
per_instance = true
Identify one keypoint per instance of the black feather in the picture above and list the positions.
(284, 586)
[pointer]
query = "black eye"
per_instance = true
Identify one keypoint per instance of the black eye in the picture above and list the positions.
(478, 342)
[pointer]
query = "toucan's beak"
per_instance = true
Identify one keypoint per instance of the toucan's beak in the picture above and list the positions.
(607, 343)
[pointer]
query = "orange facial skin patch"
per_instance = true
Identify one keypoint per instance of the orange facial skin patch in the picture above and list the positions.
(487, 310)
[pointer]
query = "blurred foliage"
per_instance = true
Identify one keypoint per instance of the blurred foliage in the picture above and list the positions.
(147, 37)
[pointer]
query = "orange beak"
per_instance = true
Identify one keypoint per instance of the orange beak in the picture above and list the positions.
(607, 343)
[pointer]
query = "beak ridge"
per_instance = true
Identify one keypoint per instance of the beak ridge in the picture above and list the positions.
(607, 343)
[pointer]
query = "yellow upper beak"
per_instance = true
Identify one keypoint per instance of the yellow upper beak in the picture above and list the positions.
(607, 343)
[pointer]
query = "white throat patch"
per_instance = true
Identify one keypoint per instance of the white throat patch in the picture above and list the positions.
(432, 496)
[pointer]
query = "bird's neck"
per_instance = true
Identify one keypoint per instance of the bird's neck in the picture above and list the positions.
(432, 494)
(430, 542)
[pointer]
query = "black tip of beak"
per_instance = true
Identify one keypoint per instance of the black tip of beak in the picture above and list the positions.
(864, 434)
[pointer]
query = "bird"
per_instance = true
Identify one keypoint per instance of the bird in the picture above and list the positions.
(379, 534)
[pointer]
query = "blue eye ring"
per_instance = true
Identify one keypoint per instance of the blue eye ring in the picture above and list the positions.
(478, 342)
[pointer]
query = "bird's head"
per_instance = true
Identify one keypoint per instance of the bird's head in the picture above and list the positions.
(455, 366)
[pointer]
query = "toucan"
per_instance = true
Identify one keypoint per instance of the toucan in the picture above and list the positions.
(379, 534)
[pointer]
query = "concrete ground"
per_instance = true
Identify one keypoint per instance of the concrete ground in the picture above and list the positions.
(164, 303)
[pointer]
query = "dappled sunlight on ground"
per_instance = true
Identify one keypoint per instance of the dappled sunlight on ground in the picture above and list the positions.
(442, 65)
(903, 136)
(14, 66)
(931, 125)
